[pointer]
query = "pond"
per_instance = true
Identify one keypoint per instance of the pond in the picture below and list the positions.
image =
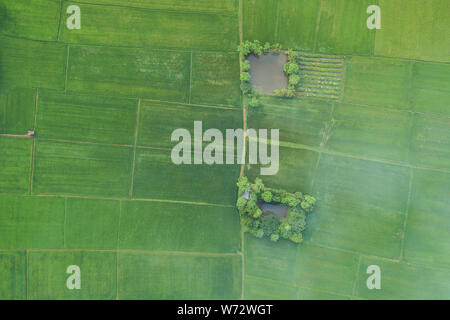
(266, 72)
(278, 210)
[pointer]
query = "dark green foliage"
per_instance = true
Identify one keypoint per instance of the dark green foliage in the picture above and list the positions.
(292, 70)
(269, 225)
(267, 196)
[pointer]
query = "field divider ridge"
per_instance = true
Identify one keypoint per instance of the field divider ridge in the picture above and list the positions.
(133, 161)
(155, 9)
(36, 99)
(405, 221)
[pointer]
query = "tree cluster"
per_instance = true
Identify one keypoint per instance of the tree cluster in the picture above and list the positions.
(271, 226)
(245, 49)
(292, 70)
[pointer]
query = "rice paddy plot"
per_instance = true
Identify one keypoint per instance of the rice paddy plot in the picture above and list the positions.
(311, 294)
(263, 289)
(13, 271)
(70, 168)
(260, 20)
(157, 177)
(430, 90)
(91, 223)
(15, 164)
(33, 19)
(414, 29)
(158, 120)
(130, 72)
(361, 206)
(175, 276)
(293, 175)
(430, 141)
(28, 64)
(213, 6)
(31, 222)
(377, 81)
(427, 237)
(299, 121)
(137, 27)
(370, 132)
(47, 276)
(165, 226)
(215, 79)
(297, 23)
(342, 28)
(324, 269)
(271, 261)
(16, 110)
(403, 281)
(86, 118)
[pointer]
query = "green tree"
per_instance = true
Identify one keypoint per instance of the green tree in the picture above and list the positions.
(267, 196)
(243, 184)
(285, 229)
(291, 68)
(240, 204)
(258, 186)
(296, 221)
(276, 47)
(257, 213)
(253, 102)
(245, 65)
(296, 237)
(294, 79)
(274, 237)
(270, 224)
(245, 76)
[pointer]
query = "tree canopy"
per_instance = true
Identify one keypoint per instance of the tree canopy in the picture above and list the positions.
(291, 227)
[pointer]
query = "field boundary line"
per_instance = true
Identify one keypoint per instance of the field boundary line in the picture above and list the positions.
(87, 142)
(231, 14)
(346, 155)
(327, 133)
(187, 50)
(439, 268)
(375, 257)
(14, 135)
(190, 79)
(117, 250)
(155, 252)
(244, 150)
(193, 104)
(296, 286)
(61, 5)
(343, 72)
(316, 32)
(33, 150)
(356, 281)
(410, 84)
(65, 219)
(67, 68)
(405, 221)
(126, 199)
(277, 22)
(374, 40)
(133, 161)
(26, 274)
(107, 144)
(149, 48)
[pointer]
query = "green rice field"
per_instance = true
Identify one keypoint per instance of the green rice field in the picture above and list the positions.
(96, 187)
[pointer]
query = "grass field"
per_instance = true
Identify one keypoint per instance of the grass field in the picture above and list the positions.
(96, 186)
